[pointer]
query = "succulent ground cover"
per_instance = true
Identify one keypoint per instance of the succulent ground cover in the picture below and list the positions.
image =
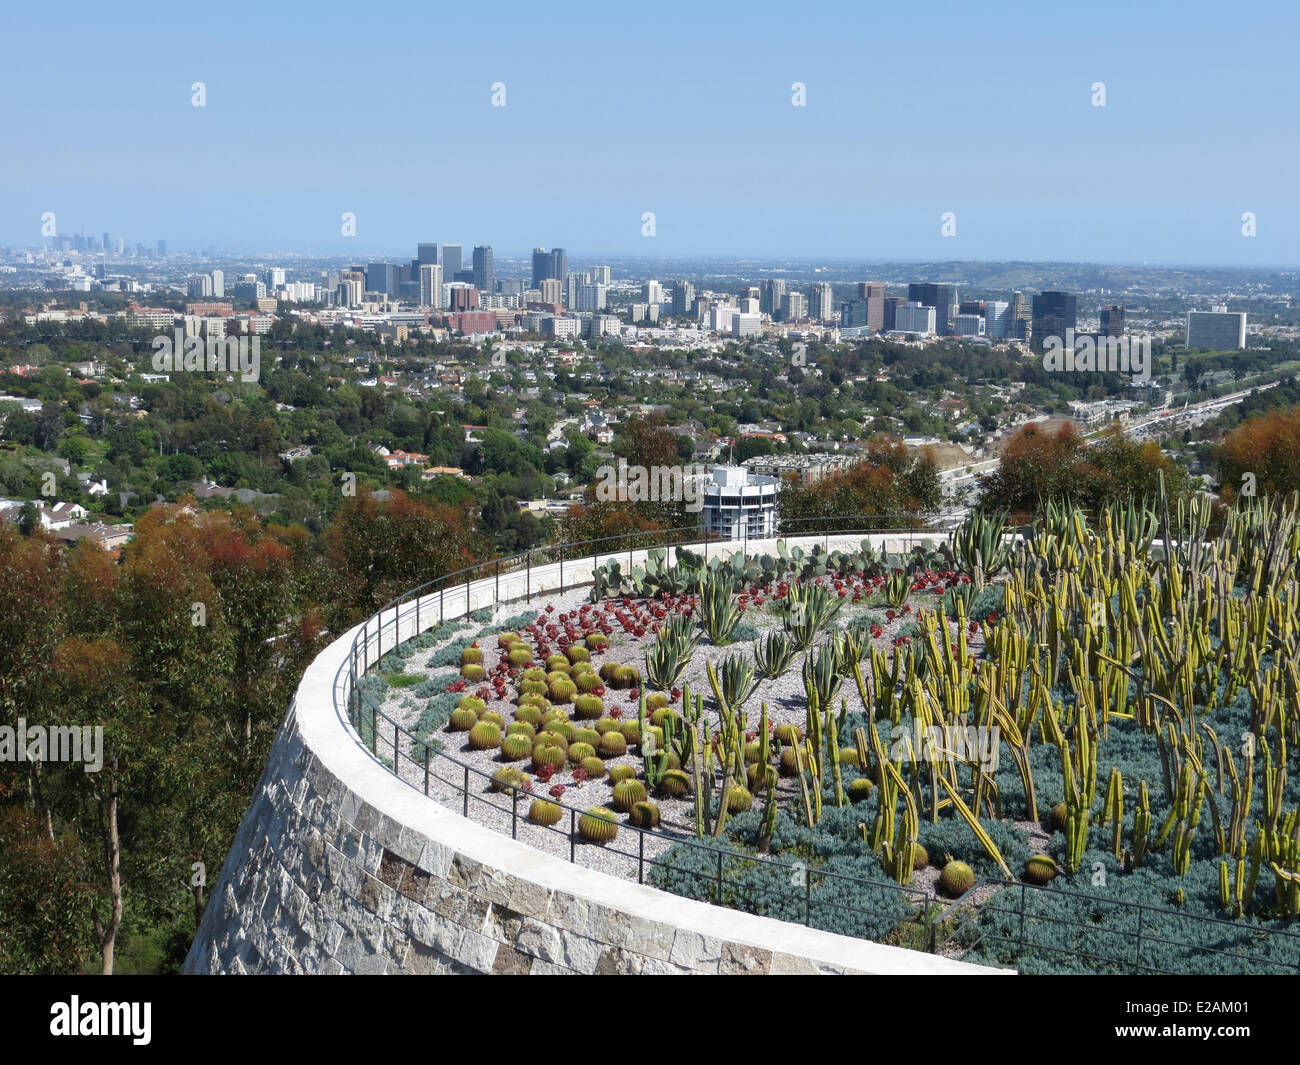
(1089, 709)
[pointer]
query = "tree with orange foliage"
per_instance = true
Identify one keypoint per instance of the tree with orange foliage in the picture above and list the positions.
(1267, 446)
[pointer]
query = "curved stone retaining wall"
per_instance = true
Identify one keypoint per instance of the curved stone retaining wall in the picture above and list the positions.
(340, 867)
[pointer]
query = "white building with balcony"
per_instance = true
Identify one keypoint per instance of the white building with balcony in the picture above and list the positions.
(738, 504)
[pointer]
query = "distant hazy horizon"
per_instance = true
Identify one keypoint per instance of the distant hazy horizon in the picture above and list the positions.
(386, 111)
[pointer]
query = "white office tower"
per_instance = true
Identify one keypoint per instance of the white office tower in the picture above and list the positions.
(572, 284)
(1217, 330)
(746, 325)
(821, 303)
(793, 306)
(348, 294)
(997, 318)
(739, 505)
(968, 325)
(749, 305)
(552, 290)
(912, 317)
(652, 292)
(598, 275)
(431, 285)
(199, 286)
(218, 284)
(275, 277)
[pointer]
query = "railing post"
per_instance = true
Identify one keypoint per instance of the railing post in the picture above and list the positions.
(573, 836)
(441, 617)
(561, 569)
(640, 857)
(464, 791)
(1022, 917)
(467, 604)
(374, 731)
(380, 635)
(1141, 914)
(514, 813)
(427, 753)
(719, 895)
(807, 898)
(497, 577)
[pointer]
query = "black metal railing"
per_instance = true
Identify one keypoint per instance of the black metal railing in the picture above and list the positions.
(982, 931)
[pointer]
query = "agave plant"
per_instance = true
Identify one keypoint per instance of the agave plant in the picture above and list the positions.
(809, 609)
(978, 548)
(822, 676)
(736, 680)
(898, 586)
(774, 653)
(718, 610)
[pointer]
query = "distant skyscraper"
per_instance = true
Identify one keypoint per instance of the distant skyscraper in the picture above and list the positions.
(1112, 320)
(541, 266)
(572, 284)
(820, 301)
(1020, 325)
(218, 284)
(107, 247)
(652, 292)
(997, 318)
(552, 290)
(770, 300)
(599, 275)
(943, 298)
(914, 317)
(889, 315)
(452, 256)
(1053, 314)
(162, 248)
(463, 298)
(873, 293)
(483, 279)
(591, 297)
(559, 263)
(431, 285)
(794, 306)
(382, 277)
(199, 286)
(426, 253)
(683, 297)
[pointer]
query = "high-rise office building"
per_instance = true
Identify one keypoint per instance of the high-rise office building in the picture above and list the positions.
(552, 290)
(1217, 330)
(771, 291)
(683, 297)
(1053, 314)
(873, 294)
(889, 312)
(943, 298)
(483, 279)
(820, 301)
(431, 285)
(652, 292)
(572, 284)
(107, 246)
(559, 263)
(274, 277)
(382, 277)
(200, 286)
(541, 266)
(1020, 326)
(598, 275)
(218, 284)
(1112, 320)
(591, 297)
(794, 306)
(162, 249)
(997, 318)
(853, 314)
(426, 253)
(462, 298)
(915, 317)
(452, 254)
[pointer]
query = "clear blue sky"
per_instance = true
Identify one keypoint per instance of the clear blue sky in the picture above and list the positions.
(683, 109)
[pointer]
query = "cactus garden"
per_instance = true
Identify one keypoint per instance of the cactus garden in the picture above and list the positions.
(1090, 726)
